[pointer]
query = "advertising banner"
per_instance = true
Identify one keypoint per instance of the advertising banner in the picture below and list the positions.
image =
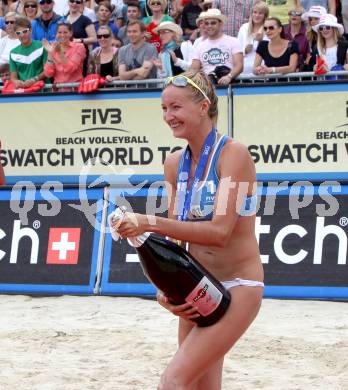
(294, 132)
(49, 240)
(302, 232)
(61, 137)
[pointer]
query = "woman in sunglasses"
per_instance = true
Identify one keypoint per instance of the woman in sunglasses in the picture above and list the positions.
(295, 31)
(65, 58)
(330, 46)
(31, 9)
(251, 33)
(277, 55)
(158, 16)
(104, 59)
(8, 42)
(217, 177)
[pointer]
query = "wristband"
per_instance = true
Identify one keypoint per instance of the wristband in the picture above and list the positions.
(273, 69)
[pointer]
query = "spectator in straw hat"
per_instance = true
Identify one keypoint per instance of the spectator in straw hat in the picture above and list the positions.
(175, 56)
(219, 55)
(331, 47)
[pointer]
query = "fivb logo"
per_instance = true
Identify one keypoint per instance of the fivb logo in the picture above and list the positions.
(63, 244)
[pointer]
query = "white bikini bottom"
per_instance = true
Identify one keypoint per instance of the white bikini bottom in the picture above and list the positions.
(242, 282)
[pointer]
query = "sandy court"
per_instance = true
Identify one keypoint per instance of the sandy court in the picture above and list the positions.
(105, 343)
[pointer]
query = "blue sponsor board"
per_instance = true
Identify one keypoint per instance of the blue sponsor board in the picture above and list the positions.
(49, 240)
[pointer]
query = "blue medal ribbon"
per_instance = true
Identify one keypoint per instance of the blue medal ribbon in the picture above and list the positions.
(184, 196)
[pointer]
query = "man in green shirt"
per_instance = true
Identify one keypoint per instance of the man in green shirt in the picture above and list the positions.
(26, 60)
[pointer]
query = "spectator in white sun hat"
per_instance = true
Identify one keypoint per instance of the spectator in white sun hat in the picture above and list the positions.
(312, 18)
(331, 47)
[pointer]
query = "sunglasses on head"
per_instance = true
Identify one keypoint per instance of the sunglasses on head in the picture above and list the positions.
(42, 2)
(9, 22)
(30, 6)
(295, 13)
(22, 31)
(324, 28)
(78, 2)
(105, 36)
(269, 28)
(183, 81)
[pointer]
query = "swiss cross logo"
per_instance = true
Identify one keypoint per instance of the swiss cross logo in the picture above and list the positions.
(63, 246)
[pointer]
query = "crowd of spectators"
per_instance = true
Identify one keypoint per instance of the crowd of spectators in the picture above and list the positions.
(62, 41)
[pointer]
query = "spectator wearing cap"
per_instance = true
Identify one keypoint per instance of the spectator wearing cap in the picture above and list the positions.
(46, 25)
(133, 13)
(189, 15)
(175, 56)
(157, 8)
(237, 13)
(277, 55)
(251, 33)
(26, 60)
(330, 46)
(312, 18)
(219, 55)
(295, 31)
(136, 59)
(329, 5)
(30, 9)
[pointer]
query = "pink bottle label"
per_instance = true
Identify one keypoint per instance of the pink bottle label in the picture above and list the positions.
(205, 297)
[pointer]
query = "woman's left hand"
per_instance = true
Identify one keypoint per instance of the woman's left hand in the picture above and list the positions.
(131, 225)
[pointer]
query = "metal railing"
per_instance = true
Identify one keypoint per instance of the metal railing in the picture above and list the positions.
(249, 79)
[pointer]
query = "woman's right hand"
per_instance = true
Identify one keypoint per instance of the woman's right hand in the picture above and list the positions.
(186, 311)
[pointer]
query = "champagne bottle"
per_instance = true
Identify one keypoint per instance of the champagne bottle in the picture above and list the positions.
(179, 276)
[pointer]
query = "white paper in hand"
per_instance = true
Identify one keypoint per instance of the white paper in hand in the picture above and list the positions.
(115, 217)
